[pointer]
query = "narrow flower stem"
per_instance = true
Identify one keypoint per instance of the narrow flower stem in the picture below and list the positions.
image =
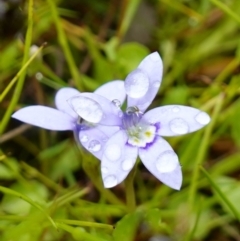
(105, 192)
(202, 150)
(130, 193)
(90, 169)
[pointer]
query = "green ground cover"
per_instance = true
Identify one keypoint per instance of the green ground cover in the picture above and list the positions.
(50, 190)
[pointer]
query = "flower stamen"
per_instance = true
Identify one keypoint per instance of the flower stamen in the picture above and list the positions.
(139, 133)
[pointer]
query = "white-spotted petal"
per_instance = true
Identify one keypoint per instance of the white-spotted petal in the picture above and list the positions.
(118, 159)
(45, 117)
(108, 130)
(111, 113)
(160, 159)
(136, 84)
(93, 140)
(87, 108)
(176, 120)
(149, 74)
(113, 90)
(61, 100)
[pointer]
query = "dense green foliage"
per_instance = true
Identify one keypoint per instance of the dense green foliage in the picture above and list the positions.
(51, 190)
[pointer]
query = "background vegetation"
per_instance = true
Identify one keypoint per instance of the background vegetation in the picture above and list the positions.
(52, 191)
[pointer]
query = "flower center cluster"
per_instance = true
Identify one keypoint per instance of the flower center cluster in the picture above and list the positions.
(139, 133)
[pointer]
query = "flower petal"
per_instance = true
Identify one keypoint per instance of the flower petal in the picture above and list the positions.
(87, 108)
(45, 117)
(61, 98)
(177, 120)
(148, 74)
(162, 162)
(93, 140)
(113, 90)
(118, 159)
(108, 130)
(96, 109)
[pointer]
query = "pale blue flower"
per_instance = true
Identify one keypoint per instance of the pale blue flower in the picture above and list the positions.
(117, 138)
(68, 102)
(141, 134)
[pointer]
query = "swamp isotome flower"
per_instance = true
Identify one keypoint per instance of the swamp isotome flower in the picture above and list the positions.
(140, 134)
(66, 116)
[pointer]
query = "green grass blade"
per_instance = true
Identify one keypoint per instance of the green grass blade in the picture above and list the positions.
(19, 86)
(226, 9)
(203, 148)
(65, 46)
(220, 193)
(27, 199)
(13, 81)
(131, 8)
(85, 224)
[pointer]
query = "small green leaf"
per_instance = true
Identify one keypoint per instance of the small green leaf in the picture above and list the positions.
(153, 218)
(53, 151)
(229, 198)
(179, 95)
(230, 187)
(126, 228)
(130, 55)
(65, 163)
(90, 83)
(14, 205)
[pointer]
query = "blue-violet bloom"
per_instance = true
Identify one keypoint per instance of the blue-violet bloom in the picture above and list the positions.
(141, 134)
(69, 102)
